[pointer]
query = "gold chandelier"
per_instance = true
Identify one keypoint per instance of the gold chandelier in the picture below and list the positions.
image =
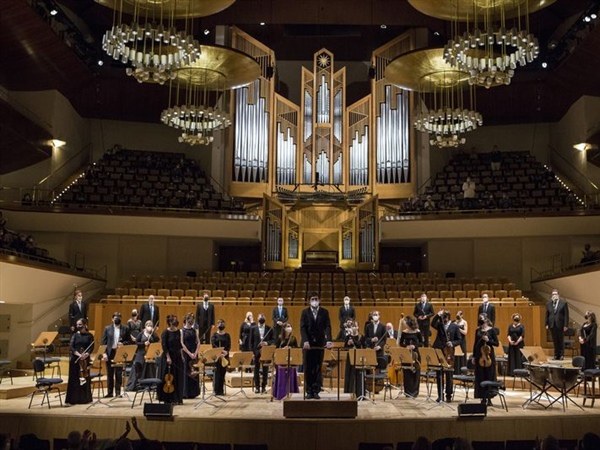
(151, 43)
(444, 110)
(197, 97)
(490, 38)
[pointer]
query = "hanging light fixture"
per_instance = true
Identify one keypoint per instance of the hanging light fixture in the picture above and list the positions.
(490, 38)
(444, 110)
(198, 93)
(151, 43)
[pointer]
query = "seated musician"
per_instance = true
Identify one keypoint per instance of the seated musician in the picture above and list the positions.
(448, 337)
(138, 369)
(285, 381)
(411, 338)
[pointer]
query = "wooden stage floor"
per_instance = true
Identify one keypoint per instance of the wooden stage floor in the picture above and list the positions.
(258, 420)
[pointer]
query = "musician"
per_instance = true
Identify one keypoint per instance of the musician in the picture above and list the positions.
(281, 384)
(391, 333)
(79, 387)
(424, 312)
(487, 308)
(221, 339)
(261, 335)
(375, 335)
(138, 369)
(484, 357)
(190, 345)
(150, 311)
(557, 321)
(114, 335)
(516, 341)
(463, 329)
(353, 383)
(280, 317)
(205, 319)
(346, 313)
(171, 364)
(77, 310)
(245, 339)
(134, 324)
(315, 330)
(587, 339)
(446, 339)
(411, 338)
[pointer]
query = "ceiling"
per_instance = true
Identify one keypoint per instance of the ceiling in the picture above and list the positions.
(34, 58)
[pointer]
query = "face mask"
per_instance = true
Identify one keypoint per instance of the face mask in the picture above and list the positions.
(205, 299)
(517, 319)
(175, 323)
(261, 320)
(149, 329)
(80, 327)
(288, 329)
(586, 317)
(221, 327)
(480, 322)
(280, 303)
(346, 302)
(314, 303)
(117, 321)
(375, 318)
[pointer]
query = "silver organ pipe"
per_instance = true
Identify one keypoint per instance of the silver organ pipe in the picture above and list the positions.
(323, 167)
(308, 111)
(337, 169)
(337, 116)
(251, 136)
(286, 157)
(392, 138)
(307, 169)
(323, 102)
(359, 161)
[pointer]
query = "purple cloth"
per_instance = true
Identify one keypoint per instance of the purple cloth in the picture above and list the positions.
(281, 384)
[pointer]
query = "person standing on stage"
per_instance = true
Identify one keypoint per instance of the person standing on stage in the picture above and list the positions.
(487, 308)
(346, 313)
(114, 335)
(245, 340)
(205, 319)
(138, 369)
(79, 387)
(261, 335)
(77, 310)
(134, 324)
(484, 356)
(446, 339)
(587, 339)
(557, 321)
(280, 317)
(375, 335)
(315, 330)
(285, 381)
(354, 380)
(424, 312)
(463, 329)
(411, 338)
(190, 344)
(221, 339)
(150, 311)
(516, 341)
(171, 364)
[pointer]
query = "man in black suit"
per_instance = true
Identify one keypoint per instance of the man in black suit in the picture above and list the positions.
(346, 313)
(376, 334)
(261, 334)
(77, 310)
(449, 337)
(423, 312)
(149, 311)
(205, 319)
(557, 321)
(315, 329)
(115, 335)
(487, 308)
(279, 316)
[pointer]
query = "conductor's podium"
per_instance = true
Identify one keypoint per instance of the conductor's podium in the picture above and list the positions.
(328, 406)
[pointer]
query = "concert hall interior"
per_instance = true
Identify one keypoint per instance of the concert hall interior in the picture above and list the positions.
(257, 150)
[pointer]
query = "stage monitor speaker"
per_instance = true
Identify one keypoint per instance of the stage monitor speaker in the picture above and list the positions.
(158, 410)
(472, 410)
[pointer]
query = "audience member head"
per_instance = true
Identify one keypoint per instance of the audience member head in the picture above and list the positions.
(550, 443)
(589, 441)
(421, 443)
(74, 440)
(461, 444)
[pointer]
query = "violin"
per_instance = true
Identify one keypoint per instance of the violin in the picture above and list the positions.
(84, 372)
(168, 387)
(485, 360)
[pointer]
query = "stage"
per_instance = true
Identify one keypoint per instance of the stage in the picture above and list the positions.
(257, 420)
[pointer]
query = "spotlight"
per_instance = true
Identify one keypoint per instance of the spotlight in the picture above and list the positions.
(544, 64)
(53, 12)
(383, 26)
(262, 24)
(100, 62)
(436, 33)
(593, 16)
(587, 19)
(206, 32)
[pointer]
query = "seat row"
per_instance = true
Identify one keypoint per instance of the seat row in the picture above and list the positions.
(338, 291)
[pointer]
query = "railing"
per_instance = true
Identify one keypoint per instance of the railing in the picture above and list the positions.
(555, 266)
(589, 191)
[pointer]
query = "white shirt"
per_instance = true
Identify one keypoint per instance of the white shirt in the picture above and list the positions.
(117, 337)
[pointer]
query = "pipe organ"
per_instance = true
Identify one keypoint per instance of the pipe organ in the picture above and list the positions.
(322, 153)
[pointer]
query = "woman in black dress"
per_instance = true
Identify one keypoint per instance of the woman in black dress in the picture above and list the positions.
(220, 339)
(245, 328)
(134, 324)
(463, 329)
(140, 368)
(79, 387)
(484, 358)
(171, 364)
(354, 378)
(190, 343)
(412, 339)
(516, 341)
(587, 339)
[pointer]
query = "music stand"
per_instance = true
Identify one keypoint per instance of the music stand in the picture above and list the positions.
(123, 356)
(97, 357)
(267, 354)
(210, 357)
(329, 358)
(447, 370)
(364, 359)
(241, 360)
(404, 359)
(288, 357)
(44, 340)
